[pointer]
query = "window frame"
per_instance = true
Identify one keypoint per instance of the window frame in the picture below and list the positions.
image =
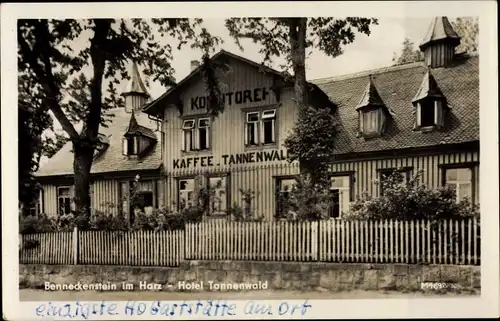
(405, 170)
(227, 190)
(437, 106)
(265, 115)
(380, 116)
(178, 182)
(277, 188)
(195, 134)
(468, 165)
(69, 197)
(135, 145)
(350, 188)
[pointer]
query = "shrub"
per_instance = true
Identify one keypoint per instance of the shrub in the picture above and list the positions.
(43, 223)
(409, 201)
(307, 200)
(247, 212)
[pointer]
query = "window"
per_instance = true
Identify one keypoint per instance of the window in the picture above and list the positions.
(218, 195)
(430, 113)
(203, 133)
(186, 193)
(371, 121)
(188, 135)
(64, 200)
(340, 190)
(196, 134)
(460, 180)
(403, 177)
(145, 199)
(130, 145)
(284, 187)
(260, 128)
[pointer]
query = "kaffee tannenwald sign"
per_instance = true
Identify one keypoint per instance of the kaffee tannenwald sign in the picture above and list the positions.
(233, 98)
(244, 158)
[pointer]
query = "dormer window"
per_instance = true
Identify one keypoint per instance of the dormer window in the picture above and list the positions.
(430, 105)
(130, 145)
(371, 121)
(372, 113)
(429, 114)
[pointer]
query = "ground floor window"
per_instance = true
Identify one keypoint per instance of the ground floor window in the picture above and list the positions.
(186, 195)
(460, 180)
(404, 176)
(218, 195)
(284, 186)
(64, 200)
(340, 190)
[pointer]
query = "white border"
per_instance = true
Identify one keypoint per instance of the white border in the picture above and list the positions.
(486, 305)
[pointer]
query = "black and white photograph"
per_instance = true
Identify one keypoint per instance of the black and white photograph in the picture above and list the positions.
(231, 161)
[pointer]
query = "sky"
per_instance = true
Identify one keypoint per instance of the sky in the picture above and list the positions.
(366, 52)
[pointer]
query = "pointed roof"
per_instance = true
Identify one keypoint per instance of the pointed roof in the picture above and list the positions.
(440, 29)
(135, 84)
(370, 96)
(134, 128)
(428, 88)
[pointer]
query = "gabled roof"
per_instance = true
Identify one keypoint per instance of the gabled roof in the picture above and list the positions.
(440, 29)
(397, 86)
(135, 129)
(154, 107)
(370, 96)
(111, 159)
(135, 84)
(428, 88)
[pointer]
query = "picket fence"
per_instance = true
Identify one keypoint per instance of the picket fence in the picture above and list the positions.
(388, 241)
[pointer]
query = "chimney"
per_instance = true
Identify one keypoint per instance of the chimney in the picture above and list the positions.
(439, 43)
(194, 64)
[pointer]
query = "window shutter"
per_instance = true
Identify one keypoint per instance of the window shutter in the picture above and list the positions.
(261, 130)
(419, 114)
(247, 128)
(72, 195)
(183, 140)
(273, 133)
(125, 146)
(361, 115)
(195, 137)
(207, 134)
(439, 119)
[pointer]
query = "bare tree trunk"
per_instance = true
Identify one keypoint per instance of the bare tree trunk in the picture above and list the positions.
(298, 27)
(82, 163)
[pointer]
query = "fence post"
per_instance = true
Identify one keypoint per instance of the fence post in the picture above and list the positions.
(314, 240)
(75, 246)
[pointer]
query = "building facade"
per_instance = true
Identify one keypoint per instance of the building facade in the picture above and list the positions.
(422, 116)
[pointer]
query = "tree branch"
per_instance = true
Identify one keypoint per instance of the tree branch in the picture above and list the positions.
(49, 88)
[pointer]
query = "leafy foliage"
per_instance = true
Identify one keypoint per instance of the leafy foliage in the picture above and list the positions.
(247, 212)
(468, 30)
(408, 54)
(78, 84)
(411, 201)
(304, 201)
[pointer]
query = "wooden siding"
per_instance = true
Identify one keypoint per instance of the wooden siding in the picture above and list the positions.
(260, 179)
(227, 130)
(105, 196)
(366, 170)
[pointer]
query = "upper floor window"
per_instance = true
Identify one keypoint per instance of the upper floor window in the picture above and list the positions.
(460, 180)
(371, 121)
(130, 145)
(196, 134)
(430, 114)
(260, 127)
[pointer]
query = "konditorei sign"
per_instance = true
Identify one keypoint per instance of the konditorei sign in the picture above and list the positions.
(230, 159)
(233, 98)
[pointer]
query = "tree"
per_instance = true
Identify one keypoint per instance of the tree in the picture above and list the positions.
(312, 141)
(70, 82)
(468, 30)
(408, 54)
